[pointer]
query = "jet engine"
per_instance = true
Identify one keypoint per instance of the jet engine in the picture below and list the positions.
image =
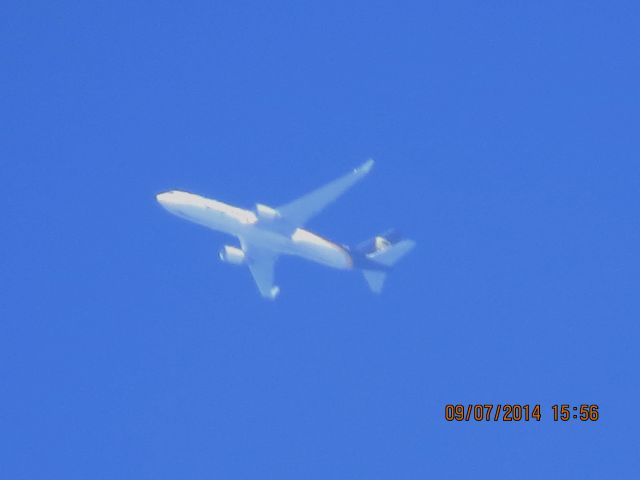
(266, 213)
(232, 255)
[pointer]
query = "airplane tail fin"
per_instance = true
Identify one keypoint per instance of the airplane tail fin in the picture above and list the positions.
(384, 250)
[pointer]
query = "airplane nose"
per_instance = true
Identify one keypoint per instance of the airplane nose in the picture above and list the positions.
(163, 198)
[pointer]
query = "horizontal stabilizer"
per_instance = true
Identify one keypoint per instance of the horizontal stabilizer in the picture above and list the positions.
(375, 279)
(389, 255)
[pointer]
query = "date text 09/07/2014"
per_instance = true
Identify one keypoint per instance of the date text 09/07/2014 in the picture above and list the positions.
(514, 412)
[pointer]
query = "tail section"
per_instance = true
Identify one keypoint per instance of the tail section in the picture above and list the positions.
(381, 253)
(391, 254)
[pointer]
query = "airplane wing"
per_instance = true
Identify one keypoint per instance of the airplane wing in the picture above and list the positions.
(261, 263)
(301, 210)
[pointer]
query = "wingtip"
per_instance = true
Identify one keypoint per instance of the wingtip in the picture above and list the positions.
(273, 293)
(366, 166)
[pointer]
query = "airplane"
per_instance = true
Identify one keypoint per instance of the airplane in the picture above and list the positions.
(267, 233)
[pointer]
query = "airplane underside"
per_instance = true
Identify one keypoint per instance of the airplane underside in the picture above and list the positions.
(268, 232)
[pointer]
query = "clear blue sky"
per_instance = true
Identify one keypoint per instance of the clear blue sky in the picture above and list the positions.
(506, 140)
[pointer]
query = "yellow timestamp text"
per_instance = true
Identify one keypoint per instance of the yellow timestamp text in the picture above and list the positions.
(516, 412)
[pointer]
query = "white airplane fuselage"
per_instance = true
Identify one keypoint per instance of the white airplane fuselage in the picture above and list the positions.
(255, 229)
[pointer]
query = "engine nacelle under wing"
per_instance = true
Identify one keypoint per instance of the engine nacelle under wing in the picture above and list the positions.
(266, 213)
(232, 255)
